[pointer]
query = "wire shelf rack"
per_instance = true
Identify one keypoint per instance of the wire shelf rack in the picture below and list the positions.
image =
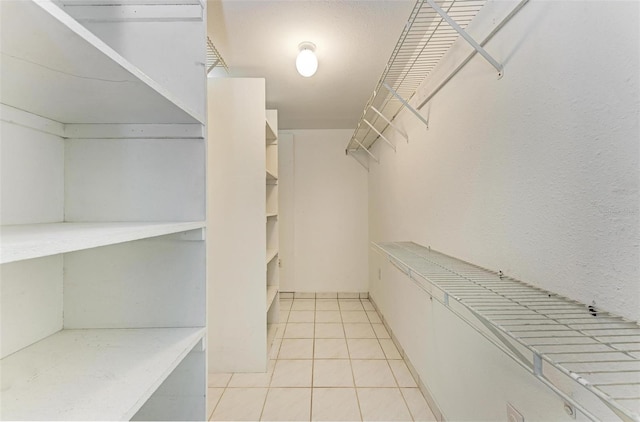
(566, 344)
(426, 37)
(214, 59)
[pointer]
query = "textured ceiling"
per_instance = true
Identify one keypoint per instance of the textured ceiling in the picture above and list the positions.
(353, 40)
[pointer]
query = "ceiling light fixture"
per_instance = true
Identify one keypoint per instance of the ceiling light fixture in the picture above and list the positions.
(307, 62)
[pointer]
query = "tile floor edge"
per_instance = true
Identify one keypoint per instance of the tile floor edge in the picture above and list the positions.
(428, 396)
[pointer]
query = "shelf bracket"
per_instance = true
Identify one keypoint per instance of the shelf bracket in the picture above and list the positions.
(467, 37)
(406, 104)
(355, 157)
(397, 129)
(366, 150)
(384, 138)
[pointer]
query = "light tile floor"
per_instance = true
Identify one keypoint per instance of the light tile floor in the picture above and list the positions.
(332, 360)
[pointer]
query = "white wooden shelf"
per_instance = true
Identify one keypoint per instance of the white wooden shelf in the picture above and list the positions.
(98, 374)
(84, 79)
(272, 292)
(271, 253)
(271, 175)
(29, 241)
(272, 214)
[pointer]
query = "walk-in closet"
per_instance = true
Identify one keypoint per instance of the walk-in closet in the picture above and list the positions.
(309, 210)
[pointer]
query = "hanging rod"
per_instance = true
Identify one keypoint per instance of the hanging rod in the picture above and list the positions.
(596, 351)
(214, 59)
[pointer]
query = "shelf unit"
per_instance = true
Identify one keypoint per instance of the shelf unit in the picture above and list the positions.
(590, 358)
(102, 250)
(272, 227)
(242, 225)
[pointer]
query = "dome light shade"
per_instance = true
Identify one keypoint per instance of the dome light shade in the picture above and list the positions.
(307, 62)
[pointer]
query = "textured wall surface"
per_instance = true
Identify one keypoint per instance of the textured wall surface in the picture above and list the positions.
(535, 174)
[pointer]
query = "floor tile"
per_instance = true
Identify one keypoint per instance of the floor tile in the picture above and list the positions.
(359, 331)
(275, 348)
(328, 316)
(364, 348)
(249, 379)
(292, 373)
(329, 330)
(218, 379)
(286, 295)
(350, 305)
(285, 304)
(372, 373)
(304, 295)
(302, 316)
(327, 305)
(326, 295)
(380, 331)
(287, 404)
(335, 404)
(382, 404)
(332, 373)
(299, 330)
(330, 348)
(296, 348)
(303, 305)
(284, 316)
(390, 350)
(348, 295)
(213, 396)
(373, 317)
(354, 316)
(417, 405)
(402, 373)
(367, 305)
(240, 404)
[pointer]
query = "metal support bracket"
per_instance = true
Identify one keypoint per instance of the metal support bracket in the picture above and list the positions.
(366, 150)
(384, 138)
(406, 104)
(355, 157)
(397, 129)
(467, 37)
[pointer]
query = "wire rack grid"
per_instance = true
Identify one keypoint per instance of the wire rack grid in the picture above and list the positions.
(425, 38)
(597, 351)
(214, 59)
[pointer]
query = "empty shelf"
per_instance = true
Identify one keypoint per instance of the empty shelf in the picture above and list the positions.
(271, 253)
(272, 214)
(85, 80)
(102, 374)
(29, 241)
(540, 329)
(272, 292)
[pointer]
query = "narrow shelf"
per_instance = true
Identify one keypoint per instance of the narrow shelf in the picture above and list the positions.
(48, 51)
(29, 241)
(546, 333)
(271, 135)
(271, 253)
(272, 214)
(98, 374)
(271, 175)
(272, 292)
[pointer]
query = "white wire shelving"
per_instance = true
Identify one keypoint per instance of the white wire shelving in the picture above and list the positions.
(214, 59)
(590, 358)
(432, 28)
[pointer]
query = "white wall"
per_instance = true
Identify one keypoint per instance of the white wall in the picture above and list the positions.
(329, 205)
(535, 174)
